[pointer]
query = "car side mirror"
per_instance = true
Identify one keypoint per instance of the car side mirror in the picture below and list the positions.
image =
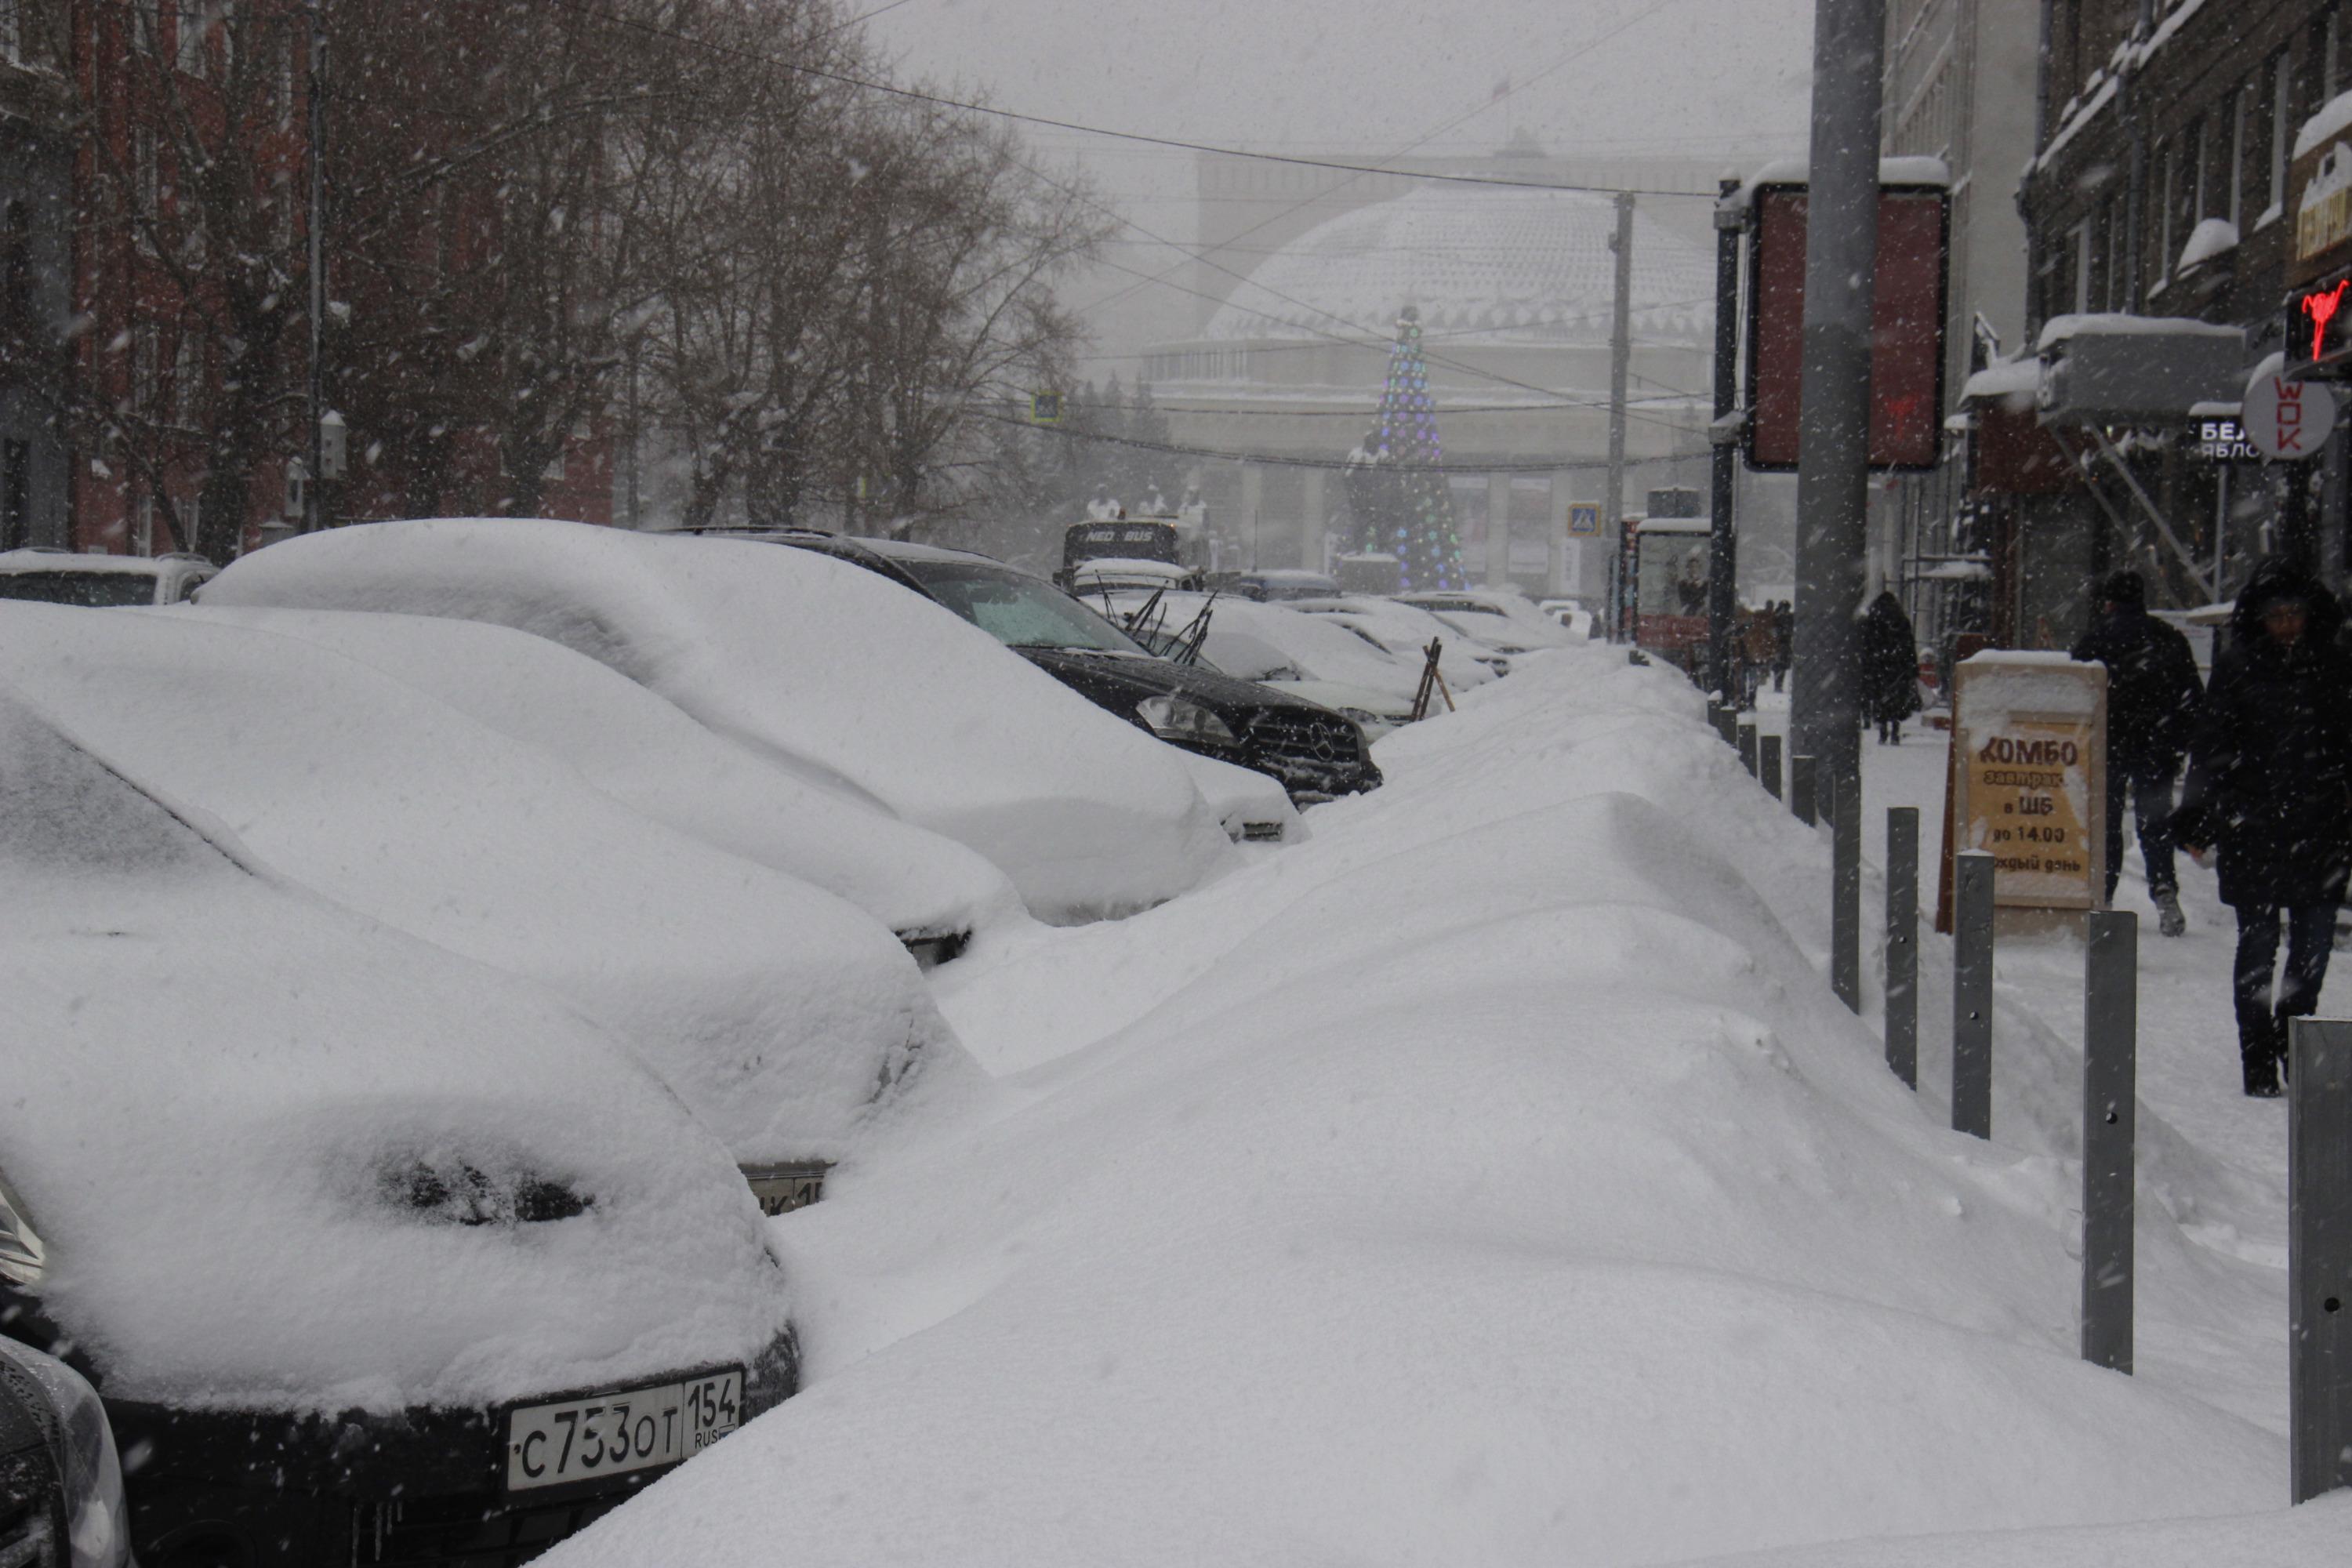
(60, 1480)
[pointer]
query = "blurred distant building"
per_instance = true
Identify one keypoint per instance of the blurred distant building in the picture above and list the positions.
(1305, 272)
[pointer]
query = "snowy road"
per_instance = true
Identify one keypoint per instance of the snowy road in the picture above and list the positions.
(1492, 1180)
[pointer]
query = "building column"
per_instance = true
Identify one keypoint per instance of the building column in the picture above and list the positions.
(1253, 510)
(1311, 521)
(1498, 530)
(1556, 569)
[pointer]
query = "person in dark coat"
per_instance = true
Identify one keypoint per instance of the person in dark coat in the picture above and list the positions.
(2152, 697)
(1784, 641)
(2270, 784)
(1888, 657)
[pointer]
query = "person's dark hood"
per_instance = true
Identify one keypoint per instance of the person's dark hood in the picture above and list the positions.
(2274, 578)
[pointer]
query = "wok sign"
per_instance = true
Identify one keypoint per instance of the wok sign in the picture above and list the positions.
(2287, 420)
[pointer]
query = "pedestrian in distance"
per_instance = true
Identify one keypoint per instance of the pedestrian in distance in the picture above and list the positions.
(1888, 657)
(2270, 786)
(2153, 694)
(1784, 642)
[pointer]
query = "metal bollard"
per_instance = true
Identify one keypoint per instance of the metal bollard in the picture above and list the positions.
(1845, 898)
(1903, 943)
(2319, 1255)
(2110, 1068)
(1748, 749)
(1972, 993)
(1727, 724)
(1800, 789)
(1715, 715)
(1768, 763)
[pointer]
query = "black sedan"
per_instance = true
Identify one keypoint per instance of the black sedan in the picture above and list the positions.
(1317, 754)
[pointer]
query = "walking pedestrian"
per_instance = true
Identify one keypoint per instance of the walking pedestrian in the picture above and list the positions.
(1784, 642)
(1889, 660)
(2270, 785)
(2152, 697)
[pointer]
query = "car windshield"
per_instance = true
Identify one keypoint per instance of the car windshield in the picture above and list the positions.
(1016, 609)
(96, 590)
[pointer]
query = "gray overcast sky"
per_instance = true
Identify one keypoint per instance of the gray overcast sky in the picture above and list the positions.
(1598, 76)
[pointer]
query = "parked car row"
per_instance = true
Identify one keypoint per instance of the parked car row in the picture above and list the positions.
(434, 953)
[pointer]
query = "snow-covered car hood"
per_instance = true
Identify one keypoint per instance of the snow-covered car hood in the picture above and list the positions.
(1375, 712)
(815, 662)
(1404, 631)
(282, 1157)
(778, 1013)
(1249, 804)
(643, 751)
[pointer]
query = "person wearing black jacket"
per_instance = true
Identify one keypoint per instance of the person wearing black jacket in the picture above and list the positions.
(2270, 784)
(1889, 658)
(2152, 698)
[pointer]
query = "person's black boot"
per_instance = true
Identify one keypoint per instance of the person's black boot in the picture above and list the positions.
(2258, 1054)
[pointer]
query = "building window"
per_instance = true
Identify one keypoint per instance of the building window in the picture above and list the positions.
(146, 369)
(2168, 184)
(146, 187)
(2193, 151)
(2332, 59)
(2240, 116)
(17, 314)
(191, 23)
(2281, 124)
(16, 495)
(12, 31)
(187, 379)
(142, 526)
(146, 25)
(2081, 244)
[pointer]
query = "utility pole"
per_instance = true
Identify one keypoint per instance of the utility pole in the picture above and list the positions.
(1834, 459)
(1723, 562)
(313, 493)
(1621, 357)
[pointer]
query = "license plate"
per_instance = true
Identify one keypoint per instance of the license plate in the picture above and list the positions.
(611, 1434)
(781, 1189)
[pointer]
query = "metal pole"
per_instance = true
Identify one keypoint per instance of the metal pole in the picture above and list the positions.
(1768, 763)
(1845, 898)
(1800, 789)
(1748, 749)
(2110, 1052)
(1723, 562)
(1834, 461)
(1621, 360)
(1972, 993)
(313, 493)
(1727, 724)
(1903, 943)
(2319, 1255)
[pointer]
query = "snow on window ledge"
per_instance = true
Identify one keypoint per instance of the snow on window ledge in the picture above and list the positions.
(2211, 237)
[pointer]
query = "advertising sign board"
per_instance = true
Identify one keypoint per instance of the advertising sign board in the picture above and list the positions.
(2287, 420)
(1906, 333)
(2029, 739)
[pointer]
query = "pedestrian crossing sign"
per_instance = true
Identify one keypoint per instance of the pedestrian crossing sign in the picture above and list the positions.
(1584, 520)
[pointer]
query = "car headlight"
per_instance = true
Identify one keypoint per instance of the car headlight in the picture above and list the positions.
(23, 1258)
(1182, 719)
(97, 1527)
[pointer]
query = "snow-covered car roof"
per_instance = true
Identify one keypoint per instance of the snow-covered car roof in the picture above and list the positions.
(1462, 607)
(231, 1105)
(1316, 649)
(645, 752)
(15, 561)
(815, 662)
(775, 1011)
(1403, 630)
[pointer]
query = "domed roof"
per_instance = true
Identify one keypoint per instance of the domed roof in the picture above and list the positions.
(1478, 261)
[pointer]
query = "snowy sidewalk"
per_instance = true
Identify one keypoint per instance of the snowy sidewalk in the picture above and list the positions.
(1491, 1179)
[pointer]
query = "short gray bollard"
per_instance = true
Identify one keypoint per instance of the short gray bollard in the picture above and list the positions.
(1715, 715)
(1972, 993)
(2110, 1070)
(1747, 748)
(1768, 763)
(1845, 898)
(1727, 724)
(1903, 943)
(1800, 789)
(2319, 1255)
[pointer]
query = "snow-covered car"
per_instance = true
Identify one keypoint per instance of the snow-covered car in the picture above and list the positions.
(360, 1242)
(1503, 618)
(814, 664)
(1274, 645)
(781, 1016)
(60, 1477)
(101, 581)
(1405, 632)
(1317, 754)
(1278, 585)
(642, 752)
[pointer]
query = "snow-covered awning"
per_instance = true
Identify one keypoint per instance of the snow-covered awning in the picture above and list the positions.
(1909, 171)
(2009, 378)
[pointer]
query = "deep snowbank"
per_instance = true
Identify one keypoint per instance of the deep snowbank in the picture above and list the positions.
(1489, 1180)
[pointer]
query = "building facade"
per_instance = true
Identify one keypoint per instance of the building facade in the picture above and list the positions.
(2158, 191)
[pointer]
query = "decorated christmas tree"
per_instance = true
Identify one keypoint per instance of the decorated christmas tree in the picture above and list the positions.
(1412, 518)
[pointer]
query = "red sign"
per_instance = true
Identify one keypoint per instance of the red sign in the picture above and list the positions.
(2319, 324)
(1907, 327)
